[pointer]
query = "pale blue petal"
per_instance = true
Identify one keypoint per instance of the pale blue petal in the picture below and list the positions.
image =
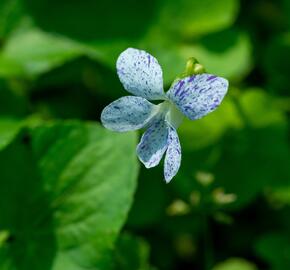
(128, 113)
(153, 144)
(140, 74)
(198, 95)
(173, 155)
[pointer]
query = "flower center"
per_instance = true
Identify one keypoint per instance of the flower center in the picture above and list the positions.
(169, 111)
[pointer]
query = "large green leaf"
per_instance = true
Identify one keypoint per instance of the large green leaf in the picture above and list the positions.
(65, 192)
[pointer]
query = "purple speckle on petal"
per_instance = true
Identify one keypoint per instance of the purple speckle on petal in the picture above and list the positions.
(183, 93)
(191, 79)
(212, 77)
(180, 84)
(149, 59)
(187, 108)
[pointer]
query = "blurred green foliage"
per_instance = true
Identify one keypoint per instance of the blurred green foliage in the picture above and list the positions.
(71, 196)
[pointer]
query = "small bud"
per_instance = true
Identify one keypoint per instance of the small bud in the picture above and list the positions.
(190, 65)
(193, 67)
(198, 69)
(178, 208)
(204, 178)
(220, 197)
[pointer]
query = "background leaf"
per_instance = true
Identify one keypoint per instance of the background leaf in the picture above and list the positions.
(193, 18)
(79, 209)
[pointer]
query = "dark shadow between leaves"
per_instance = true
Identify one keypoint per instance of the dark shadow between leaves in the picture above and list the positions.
(93, 20)
(220, 41)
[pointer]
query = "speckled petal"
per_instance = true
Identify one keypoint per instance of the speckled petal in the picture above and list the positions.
(173, 155)
(140, 74)
(198, 95)
(153, 144)
(128, 113)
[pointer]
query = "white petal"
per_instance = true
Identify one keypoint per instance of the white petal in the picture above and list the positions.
(173, 155)
(198, 95)
(128, 113)
(153, 144)
(140, 74)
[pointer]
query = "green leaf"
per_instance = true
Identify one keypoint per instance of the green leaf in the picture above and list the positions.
(192, 17)
(8, 130)
(235, 264)
(261, 109)
(32, 52)
(74, 185)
